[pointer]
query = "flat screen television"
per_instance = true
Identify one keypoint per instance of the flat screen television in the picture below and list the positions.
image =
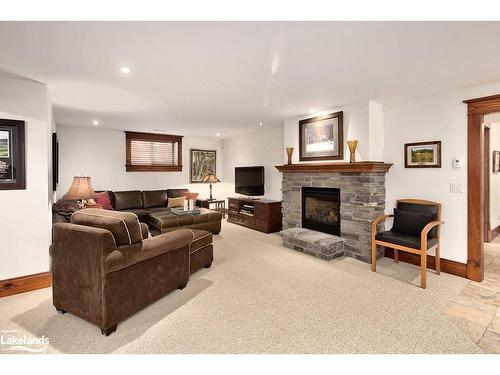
(249, 180)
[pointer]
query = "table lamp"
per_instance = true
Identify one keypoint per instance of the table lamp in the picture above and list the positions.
(210, 178)
(81, 189)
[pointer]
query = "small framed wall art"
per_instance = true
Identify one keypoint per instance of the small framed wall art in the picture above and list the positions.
(12, 155)
(423, 155)
(203, 162)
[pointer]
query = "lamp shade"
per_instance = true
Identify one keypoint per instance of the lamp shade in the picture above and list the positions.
(211, 178)
(81, 188)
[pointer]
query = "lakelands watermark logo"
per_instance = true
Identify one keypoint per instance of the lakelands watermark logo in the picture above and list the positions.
(11, 340)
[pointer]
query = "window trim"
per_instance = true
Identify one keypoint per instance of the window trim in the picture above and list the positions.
(136, 136)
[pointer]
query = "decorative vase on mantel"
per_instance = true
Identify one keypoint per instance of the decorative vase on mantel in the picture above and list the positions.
(352, 144)
(289, 152)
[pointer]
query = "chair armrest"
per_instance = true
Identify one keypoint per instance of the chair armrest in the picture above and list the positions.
(378, 220)
(428, 227)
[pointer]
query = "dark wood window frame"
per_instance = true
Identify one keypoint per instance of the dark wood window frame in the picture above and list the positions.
(476, 110)
(136, 136)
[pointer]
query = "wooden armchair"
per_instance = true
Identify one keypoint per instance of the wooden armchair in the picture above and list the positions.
(417, 232)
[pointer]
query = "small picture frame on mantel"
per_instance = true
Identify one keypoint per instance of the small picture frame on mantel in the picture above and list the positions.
(423, 154)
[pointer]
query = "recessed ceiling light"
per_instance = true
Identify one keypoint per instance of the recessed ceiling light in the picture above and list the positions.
(217, 134)
(311, 110)
(125, 69)
(260, 123)
(95, 122)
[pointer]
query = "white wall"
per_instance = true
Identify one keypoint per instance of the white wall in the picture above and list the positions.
(263, 147)
(494, 177)
(438, 117)
(356, 126)
(100, 154)
(25, 220)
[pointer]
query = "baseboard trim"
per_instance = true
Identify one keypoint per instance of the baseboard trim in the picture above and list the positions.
(494, 233)
(26, 283)
(449, 266)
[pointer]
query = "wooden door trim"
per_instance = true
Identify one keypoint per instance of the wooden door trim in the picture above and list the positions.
(476, 109)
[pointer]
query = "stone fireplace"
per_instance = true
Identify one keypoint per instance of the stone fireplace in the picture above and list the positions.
(321, 209)
(361, 189)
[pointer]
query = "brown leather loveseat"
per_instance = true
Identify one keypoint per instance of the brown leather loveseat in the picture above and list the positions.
(105, 268)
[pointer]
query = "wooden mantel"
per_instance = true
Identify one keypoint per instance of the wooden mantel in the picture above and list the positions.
(362, 166)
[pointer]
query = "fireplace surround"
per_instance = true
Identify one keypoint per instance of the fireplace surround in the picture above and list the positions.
(362, 198)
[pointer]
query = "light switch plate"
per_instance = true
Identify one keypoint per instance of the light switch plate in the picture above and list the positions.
(455, 187)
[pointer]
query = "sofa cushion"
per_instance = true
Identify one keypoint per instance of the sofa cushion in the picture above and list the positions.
(404, 239)
(142, 214)
(124, 226)
(411, 223)
(127, 199)
(175, 193)
(154, 198)
(176, 202)
(104, 200)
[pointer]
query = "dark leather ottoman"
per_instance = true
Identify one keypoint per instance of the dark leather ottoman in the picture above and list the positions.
(165, 221)
(201, 250)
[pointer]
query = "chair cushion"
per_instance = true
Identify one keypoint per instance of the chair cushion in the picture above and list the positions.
(124, 226)
(154, 198)
(404, 239)
(411, 223)
(127, 199)
(424, 209)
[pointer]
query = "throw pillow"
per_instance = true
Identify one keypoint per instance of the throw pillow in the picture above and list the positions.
(192, 196)
(176, 202)
(103, 200)
(411, 223)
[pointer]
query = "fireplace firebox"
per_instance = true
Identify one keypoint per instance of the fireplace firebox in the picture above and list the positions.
(321, 209)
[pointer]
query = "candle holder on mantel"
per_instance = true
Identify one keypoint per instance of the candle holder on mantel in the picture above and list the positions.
(352, 144)
(289, 152)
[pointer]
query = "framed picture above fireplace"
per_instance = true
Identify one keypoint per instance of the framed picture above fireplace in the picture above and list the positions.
(322, 138)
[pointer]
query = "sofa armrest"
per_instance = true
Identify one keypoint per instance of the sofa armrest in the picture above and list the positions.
(144, 230)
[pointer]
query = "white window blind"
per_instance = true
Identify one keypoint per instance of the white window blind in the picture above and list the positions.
(153, 153)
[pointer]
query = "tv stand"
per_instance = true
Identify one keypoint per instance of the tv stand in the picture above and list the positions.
(263, 215)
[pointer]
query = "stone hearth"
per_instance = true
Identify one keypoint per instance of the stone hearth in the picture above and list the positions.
(362, 196)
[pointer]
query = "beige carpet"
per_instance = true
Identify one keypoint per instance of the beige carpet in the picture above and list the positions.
(260, 297)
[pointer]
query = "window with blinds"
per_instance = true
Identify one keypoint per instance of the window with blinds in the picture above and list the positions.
(153, 152)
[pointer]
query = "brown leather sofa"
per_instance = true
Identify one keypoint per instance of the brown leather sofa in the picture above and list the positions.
(105, 268)
(150, 206)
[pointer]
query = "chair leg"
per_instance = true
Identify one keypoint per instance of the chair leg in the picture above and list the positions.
(438, 261)
(396, 256)
(374, 255)
(423, 268)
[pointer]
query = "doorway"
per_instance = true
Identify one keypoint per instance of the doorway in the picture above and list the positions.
(476, 196)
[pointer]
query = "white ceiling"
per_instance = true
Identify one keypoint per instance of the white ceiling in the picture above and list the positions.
(200, 78)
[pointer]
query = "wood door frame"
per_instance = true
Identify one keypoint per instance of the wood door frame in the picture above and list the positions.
(486, 174)
(476, 109)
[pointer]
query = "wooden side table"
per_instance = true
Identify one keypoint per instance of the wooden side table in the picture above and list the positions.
(216, 205)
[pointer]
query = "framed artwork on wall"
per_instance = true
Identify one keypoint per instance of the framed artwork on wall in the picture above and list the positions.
(423, 155)
(496, 161)
(203, 162)
(322, 138)
(12, 155)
